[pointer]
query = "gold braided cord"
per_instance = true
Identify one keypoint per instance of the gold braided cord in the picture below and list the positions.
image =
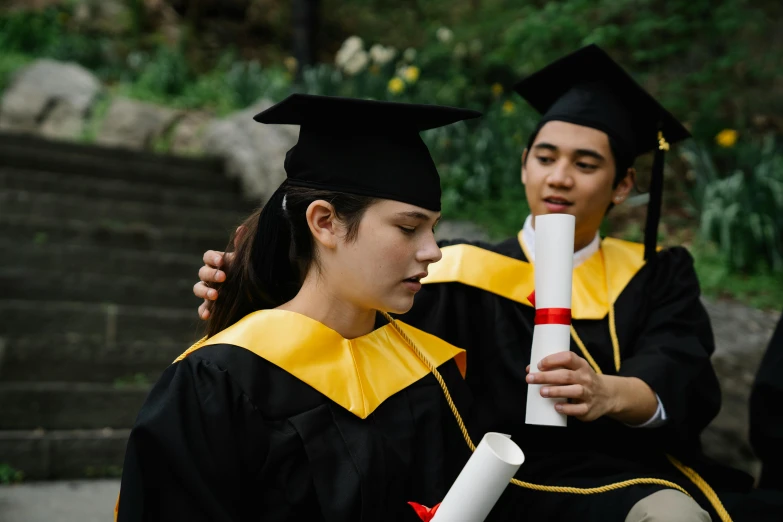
(612, 332)
(527, 485)
(193, 347)
(612, 324)
(584, 351)
(705, 488)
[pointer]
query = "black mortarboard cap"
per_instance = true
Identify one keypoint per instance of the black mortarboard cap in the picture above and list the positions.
(588, 88)
(364, 147)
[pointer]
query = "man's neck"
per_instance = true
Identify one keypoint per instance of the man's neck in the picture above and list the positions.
(316, 302)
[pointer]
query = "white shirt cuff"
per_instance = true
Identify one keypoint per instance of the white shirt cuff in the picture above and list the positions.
(658, 419)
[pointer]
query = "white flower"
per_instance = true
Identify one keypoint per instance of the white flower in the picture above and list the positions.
(444, 34)
(349, 48)
(382, 55)
(460, 50)
(409, 54)
(356, 63)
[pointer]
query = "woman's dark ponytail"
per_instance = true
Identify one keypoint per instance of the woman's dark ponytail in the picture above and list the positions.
(275, 250)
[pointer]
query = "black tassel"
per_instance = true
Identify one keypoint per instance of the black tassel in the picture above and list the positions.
(656, 197)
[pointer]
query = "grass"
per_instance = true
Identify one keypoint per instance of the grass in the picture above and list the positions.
(131, 381)
(9, 474)
(763, 290)
(10, 62)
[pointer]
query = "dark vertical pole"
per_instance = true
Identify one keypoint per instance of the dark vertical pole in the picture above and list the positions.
(306, 19)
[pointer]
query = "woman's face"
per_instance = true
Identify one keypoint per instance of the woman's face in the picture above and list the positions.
(381, 267)
(570, 169)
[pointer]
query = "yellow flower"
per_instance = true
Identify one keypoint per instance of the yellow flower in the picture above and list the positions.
(497, 89)
(727, 138)
(396, 85)
(291, 64)
(411, 74)
(509, 107)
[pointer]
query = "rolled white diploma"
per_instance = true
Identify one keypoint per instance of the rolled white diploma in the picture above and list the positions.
(481, 482)
(553, 270)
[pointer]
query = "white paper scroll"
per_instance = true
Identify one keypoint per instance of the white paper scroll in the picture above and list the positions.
(482, 480)
(553, 270)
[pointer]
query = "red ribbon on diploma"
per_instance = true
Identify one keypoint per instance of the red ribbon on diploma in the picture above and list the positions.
(550, 315)
(424, 512)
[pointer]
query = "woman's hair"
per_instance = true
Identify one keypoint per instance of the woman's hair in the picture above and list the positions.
(275, 251)
(622, 160)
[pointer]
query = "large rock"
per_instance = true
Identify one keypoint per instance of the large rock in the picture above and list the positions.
(135, 125)
(49, 97)
(741, 338)
(188, 135)
(254, 153)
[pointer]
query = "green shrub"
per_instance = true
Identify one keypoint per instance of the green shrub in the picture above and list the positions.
(9, 474)
(742, 213)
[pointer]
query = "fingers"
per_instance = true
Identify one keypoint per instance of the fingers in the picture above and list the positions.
(201, 290)
(574, 410)
(240, 232)
(571, 391)
(561, 360)
(213, 258)
(203, 310)
(554, 377)
(211, 275)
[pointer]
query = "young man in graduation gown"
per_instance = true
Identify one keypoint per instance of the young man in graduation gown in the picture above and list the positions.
(638, 378)
(304, 403)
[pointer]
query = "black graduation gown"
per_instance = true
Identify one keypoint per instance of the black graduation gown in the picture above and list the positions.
(766, 413)
(226, 435)
(665, 340)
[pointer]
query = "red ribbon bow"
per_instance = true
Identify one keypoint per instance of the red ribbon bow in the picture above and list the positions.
(425, 513)
(550, 315)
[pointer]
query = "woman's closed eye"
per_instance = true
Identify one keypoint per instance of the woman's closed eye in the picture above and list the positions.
(407, 230)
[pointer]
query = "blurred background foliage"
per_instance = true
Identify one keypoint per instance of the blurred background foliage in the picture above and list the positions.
(714, 64)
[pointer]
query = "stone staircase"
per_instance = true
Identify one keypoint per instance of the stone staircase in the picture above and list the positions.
(100, 252)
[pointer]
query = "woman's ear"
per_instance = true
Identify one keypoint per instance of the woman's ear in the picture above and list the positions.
(524, 172)
(321, 219)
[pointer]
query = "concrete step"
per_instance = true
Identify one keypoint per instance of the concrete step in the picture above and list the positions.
(69, 500)
(26, 228)
(225, 198)
(69, 405)
(60, 206)
(59, 285)
(74, 357)
(117, 324)
(60, 454)
(110, 163)
(71, 258)
(18, 140)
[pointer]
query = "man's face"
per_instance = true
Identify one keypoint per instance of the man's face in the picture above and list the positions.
(570, 169)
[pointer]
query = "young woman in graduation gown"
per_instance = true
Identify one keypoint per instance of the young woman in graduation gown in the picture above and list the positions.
(304, 402)
(638, 378)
